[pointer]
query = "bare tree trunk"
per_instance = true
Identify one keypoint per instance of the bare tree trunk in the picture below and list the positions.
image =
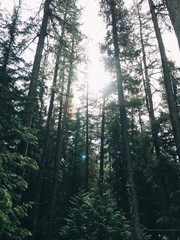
(36, 65)
(74, 187)
(58, 154)
(134, 212)
(102, 141)
(87, 141)
(32, 101)
(147, 86)
(175, 121)
(173, 7)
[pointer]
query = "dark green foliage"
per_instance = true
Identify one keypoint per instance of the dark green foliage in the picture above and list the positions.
(94, 215)
(12, 211)
(13, 165)
(126, 42)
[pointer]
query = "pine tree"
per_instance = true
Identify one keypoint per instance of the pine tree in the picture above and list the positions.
(114, 10)
(48, 126)
(13, 182)
(36, 67)
(94, 215)
(167, 81)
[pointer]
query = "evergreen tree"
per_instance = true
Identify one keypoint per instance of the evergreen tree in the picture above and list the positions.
(94, 215)
(118, 25)
(12, 97)
(167, 81)
(36, 67)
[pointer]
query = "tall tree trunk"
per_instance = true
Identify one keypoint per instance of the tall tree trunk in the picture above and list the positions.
(175, 121)
(149, 100)
(154, 130)
(102, 141)
(173, 7)
(87, 140)
(46, 135)
(45, 148)
(74, 186)
(136, 233)
(36, 65)
(32, 101)
(58, 154)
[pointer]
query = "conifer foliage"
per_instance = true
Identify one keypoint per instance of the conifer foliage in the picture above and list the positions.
(105, 167)
(94, 215)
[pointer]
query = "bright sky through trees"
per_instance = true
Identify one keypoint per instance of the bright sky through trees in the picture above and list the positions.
(94, 28)
(61, 137)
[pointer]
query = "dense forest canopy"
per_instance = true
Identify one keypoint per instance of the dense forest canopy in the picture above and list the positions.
(76, 163)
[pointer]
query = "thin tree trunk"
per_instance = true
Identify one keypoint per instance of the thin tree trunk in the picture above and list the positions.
(36, 65)
(175, 121)
(30, 104)
(46, 135)
(87, 141)
(45, 147)
(173, 7)
(58, 154)
(147, 86)
(102, 141)
(74, 188)
(136, 233)
(154, 130)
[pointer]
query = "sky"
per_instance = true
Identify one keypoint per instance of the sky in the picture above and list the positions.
(94, 28)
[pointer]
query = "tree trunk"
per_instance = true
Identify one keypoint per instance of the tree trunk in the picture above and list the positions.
(46, 135)
(36, 65)
(147, 86)
(136, 233)
(154, 131)
(45, 147)
(175, 121)
(173, 7)
(87, 141)
(74, 186)
(32, 101)
(102, 141)
(58, 154)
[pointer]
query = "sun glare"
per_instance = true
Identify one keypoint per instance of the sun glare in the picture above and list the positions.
(97, 77)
